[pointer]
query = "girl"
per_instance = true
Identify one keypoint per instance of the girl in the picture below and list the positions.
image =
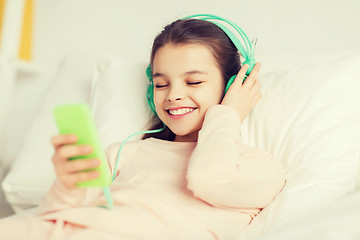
(194, 180)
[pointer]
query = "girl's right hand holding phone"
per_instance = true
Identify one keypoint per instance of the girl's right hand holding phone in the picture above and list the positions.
(70, 172)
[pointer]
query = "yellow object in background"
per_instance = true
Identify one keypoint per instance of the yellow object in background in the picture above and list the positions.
(2, 9)
(26, 33)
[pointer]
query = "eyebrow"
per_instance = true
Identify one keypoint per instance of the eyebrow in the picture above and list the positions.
(157, 74)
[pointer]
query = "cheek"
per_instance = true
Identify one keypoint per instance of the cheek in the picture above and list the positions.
(214, 98)
(208, 100)
(159, 100)
(156, 101)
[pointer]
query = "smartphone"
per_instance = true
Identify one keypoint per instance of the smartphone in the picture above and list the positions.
(77, 119)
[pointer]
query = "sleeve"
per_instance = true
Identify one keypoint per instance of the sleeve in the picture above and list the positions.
(60, 198)
(226, 173)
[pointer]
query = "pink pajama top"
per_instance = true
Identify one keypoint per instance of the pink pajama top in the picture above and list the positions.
(210, 189)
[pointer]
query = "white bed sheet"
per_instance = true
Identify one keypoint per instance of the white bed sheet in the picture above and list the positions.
(339, 219)
(5, 208)
(336, 220)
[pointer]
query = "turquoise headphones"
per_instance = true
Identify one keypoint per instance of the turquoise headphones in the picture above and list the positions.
(247, 52)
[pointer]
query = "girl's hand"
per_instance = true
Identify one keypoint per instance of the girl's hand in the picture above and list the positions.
(70, 172)
(243, 97)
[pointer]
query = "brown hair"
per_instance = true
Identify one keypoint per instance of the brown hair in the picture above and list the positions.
(196, 31)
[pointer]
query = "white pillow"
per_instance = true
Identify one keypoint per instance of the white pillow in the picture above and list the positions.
(32, 172)
(309, 118)
(119, 98)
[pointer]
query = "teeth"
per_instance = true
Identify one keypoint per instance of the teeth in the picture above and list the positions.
(181, 111)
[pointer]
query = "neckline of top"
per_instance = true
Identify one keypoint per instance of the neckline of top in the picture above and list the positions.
(171, 143)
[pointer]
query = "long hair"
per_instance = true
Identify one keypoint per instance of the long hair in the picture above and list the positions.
(194, 31)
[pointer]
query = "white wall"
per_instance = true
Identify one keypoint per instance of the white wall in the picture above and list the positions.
(289, 33)
(283, 27)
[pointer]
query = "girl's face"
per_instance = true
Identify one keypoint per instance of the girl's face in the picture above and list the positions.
(187, 82)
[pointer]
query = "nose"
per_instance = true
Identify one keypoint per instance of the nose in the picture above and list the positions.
(175, 94)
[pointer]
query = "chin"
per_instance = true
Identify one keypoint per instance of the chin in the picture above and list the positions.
(181, 133)
(184, 132)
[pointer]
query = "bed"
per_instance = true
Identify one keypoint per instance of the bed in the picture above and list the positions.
(308, 118)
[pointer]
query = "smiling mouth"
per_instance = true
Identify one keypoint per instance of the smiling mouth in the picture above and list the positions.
(181, 111)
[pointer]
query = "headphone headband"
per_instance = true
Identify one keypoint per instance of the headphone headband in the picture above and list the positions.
(248, 52)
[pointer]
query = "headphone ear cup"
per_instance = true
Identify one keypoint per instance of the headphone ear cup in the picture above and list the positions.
(149, 73)
(150, 97)
(150, 90)
(251, 63)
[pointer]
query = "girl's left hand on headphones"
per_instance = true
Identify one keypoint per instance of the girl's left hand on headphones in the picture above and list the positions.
(243, 97)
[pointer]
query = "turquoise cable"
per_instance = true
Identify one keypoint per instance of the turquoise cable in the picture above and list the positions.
(126, 139)
(109, 200)
(106, 190)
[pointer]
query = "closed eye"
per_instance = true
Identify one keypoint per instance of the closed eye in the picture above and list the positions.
(194, 83)
(160, 86)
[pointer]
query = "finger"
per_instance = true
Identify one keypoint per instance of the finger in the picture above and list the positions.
(241, 74)
(249, 81)
(256, 86)
(70, 151)
(257, 98)
(63, 139)
(70, 180)
(80, 165)
(256, 69)
(84, 176)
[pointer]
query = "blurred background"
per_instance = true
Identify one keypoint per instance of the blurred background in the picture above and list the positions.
(36, 34)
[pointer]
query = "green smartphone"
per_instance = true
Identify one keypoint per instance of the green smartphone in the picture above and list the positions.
(77, 119)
